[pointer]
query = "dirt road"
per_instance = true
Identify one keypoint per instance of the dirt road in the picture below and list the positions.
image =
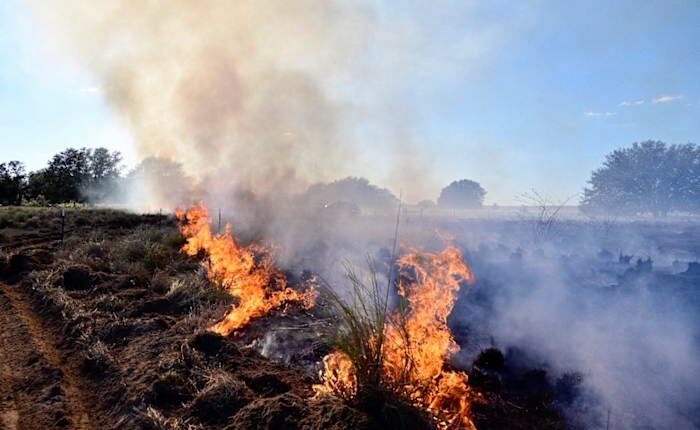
(39, 388)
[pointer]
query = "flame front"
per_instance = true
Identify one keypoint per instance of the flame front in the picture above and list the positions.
(418, 342)
(417, 348)
(247, 273)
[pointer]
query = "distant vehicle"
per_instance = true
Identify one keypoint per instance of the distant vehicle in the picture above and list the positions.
(341, 208)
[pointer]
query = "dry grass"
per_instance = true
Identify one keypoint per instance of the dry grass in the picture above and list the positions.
(153, 419)
(362, 319)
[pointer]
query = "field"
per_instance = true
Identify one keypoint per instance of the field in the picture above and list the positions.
(106, 326)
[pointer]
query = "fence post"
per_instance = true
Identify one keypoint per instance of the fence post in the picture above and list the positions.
(63, 225)
(219, 229)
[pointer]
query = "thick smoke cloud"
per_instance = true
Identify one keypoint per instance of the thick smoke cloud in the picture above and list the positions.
(273, 95)
(240, 91)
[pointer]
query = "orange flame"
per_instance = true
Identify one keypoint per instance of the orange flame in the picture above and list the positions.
(247, 273)
(338, 377)
(418, 342)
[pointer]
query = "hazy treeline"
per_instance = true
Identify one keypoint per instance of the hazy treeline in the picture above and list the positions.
(96, 175)
(73, 175)
(650, 177)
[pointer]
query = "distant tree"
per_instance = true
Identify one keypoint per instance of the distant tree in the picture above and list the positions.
(104, 173)
(161, 169)
(353, 190)
(13, 179)
(75, 175)
(36, 183)
(157, 182)
(648, 177)
(464, 194)
(66, 175)
(104, 164)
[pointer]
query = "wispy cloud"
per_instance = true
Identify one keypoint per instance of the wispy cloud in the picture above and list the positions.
(667, 98)
(599, 114)
(632, 103)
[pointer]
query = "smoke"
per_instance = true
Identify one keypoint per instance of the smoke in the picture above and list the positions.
(242, 91)
(629, 329)
(265, 95)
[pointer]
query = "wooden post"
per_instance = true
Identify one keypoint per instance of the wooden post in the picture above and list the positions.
(219, 230)
(63, 225)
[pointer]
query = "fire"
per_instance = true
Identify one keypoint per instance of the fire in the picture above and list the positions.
(247, 273)
(418, 341)
(339, 376)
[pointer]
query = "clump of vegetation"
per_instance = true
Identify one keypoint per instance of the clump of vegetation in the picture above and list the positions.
(358, 366)
(361, 332)
(389, 359)
(547, 214)
(194, 291)
(222, 397)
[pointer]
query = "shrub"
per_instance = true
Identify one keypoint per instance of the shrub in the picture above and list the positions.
(360, 333)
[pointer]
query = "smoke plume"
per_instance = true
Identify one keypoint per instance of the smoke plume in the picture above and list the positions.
(252, 94)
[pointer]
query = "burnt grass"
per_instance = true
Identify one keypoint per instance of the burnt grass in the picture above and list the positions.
(129, 312)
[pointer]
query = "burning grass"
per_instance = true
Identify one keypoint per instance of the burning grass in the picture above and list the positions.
(130, 311)
(247, 273)
(402, 354)
(381, 354)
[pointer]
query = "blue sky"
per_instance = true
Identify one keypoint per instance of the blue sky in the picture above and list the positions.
(531, 96)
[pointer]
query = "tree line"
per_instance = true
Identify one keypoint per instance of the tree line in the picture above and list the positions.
(648, 177)
(90, 175)
(73, 175)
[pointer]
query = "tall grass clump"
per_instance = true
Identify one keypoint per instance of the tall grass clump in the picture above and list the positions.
(360, 329)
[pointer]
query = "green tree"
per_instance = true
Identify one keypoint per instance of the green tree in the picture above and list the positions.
(65, 176)
(104, 173)
(648, 177)
(13, 179)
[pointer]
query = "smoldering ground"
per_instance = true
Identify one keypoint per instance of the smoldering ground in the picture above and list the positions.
(616, 305)
(613, 305)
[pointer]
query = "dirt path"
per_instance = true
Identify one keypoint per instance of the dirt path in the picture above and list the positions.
(39, 389)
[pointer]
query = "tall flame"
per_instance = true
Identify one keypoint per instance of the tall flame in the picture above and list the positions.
(418, 342)
(247, 273)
